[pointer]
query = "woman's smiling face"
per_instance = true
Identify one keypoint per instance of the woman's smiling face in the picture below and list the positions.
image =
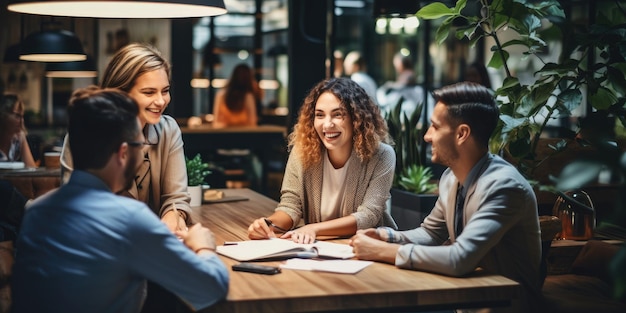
(152, 93)
(332, 123)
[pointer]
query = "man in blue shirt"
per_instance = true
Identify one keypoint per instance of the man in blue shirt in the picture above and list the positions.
(82, 248)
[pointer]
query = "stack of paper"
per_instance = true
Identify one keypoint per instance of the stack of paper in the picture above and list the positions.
(281, 249)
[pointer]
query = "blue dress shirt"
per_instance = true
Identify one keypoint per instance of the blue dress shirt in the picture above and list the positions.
(82, 248)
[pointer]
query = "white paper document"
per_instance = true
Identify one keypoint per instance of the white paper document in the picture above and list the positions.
(334, 266)
(256, 250)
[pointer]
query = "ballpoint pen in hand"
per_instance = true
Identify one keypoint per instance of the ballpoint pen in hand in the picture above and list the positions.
(270, 224)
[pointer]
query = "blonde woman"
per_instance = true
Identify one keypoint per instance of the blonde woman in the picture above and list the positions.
(339, 171)
(161, 181)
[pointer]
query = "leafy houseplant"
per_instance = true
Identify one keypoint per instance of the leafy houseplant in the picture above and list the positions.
(407, 140)
(417, 179)
(412, 195)
(526, 109)
(196, 170)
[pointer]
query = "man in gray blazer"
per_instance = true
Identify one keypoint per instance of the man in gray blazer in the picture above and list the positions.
(486, 214)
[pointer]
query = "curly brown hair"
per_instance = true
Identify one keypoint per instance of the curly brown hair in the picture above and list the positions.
(369, 127)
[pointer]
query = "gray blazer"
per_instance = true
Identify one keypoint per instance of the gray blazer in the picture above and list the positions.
(501, 230)
(367, 189)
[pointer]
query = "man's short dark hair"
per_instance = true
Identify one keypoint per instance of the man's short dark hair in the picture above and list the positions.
(100, 120)
(471, 104)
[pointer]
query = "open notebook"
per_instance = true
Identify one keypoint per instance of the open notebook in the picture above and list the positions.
(280, 249)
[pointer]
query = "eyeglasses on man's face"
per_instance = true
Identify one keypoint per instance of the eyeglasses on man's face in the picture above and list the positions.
(137, 143)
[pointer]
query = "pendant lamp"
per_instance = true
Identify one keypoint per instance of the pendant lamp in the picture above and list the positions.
(86, 68)
(120, 8)
(54, 45)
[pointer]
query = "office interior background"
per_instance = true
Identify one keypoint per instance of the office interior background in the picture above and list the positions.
(291, 44)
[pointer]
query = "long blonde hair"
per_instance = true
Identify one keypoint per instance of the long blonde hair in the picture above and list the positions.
(130, 62)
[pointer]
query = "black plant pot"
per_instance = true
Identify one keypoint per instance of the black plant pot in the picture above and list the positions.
(409, 209)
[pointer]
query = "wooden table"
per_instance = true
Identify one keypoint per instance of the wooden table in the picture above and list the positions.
(260, 139)
(33, 182)
(379, 287)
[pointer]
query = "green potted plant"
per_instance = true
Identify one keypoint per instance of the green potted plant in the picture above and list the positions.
(413, 194)
(417, 179)
(196, 173)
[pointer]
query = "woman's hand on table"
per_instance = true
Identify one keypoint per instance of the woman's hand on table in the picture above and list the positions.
(304, 234)
(174, 221)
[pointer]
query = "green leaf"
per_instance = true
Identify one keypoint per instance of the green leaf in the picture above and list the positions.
(443, 31)
(499, 21)
(616, 77)
(434, 11)
(560, 69)
(196, 170)
(526, 106)
(460, 5)
(531, 23)
(570, 99)
(514, 42)
(511, 123)
(510, 82)
(602, 99)
(541, 93)
(496, 59)
(467, 32)
(416, 179)
(578, 174)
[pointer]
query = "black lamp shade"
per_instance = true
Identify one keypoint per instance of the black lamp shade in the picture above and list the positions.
(120, 8)
(395, 7)
(86, 68)
(52, 46)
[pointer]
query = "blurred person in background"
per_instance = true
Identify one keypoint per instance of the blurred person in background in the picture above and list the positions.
(236, 103)
(404, 90)
(13, 144)
(355, 67)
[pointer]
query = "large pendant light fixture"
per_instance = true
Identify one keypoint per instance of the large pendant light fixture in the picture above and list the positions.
(120, 8)
(52, 45)
(82, 69)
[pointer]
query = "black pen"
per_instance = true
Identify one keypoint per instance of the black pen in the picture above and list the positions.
(270, 224)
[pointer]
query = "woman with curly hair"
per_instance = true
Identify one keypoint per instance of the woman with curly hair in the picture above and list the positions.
(340, 167)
